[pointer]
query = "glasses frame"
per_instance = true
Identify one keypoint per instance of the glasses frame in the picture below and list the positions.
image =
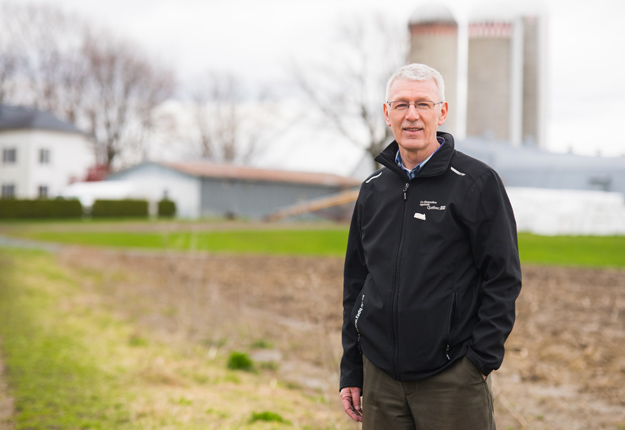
(390, 105)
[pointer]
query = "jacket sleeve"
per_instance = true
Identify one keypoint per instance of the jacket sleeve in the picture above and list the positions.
(354, 275)
(493, 238)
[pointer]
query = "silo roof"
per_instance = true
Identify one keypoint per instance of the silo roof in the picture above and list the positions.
(432, 13)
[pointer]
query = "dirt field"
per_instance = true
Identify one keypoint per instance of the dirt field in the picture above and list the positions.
(565, 362)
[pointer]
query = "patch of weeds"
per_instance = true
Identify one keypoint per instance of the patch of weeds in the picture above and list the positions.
(240, 361)
(231, 377)
(183, 401)
(319, 398)
(170, 312)
(267, 416)
(291, 385)
(269, 365)
(201, 379)
(214, 343)
(261, 344)
(218, 414)
(136, 340)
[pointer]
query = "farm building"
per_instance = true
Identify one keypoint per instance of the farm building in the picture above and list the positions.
(532, 167)
(203, 189)
(40, 153)
(554, 193)
(557, 193)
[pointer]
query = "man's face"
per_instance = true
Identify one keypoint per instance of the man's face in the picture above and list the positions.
(413, 129)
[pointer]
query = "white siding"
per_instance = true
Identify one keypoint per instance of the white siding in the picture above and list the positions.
(152, 181)
(70, 157)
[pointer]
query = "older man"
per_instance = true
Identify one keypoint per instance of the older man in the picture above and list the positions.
(431, 275)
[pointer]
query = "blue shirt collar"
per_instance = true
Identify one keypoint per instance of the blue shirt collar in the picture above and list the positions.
(412, 173)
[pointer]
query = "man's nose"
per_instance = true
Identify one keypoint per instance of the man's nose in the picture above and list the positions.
(412, 112)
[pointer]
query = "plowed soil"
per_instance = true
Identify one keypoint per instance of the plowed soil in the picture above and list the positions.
(565, 361)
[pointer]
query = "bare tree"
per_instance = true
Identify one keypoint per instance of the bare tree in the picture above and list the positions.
(8, 67)
(216, 114)
(9, 59)
(348, 90)
(123, 90)
(232, 125)
(42, 41)
(104, 85)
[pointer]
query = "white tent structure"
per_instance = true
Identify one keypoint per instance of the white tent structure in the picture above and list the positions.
(88, 192)
(568, 212)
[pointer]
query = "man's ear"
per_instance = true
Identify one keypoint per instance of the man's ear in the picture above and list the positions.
(387, 118)
(443, 115)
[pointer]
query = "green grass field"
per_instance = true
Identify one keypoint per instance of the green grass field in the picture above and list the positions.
(54, 356)
(585, 251)
(297, 242)
(73, 363)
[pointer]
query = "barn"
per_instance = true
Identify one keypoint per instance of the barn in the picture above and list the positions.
(204, 189)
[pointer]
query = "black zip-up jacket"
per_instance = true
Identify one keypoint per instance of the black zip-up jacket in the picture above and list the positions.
(432, 269)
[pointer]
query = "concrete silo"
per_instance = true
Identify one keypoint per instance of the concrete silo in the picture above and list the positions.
(504, 77)
(494, 78)
(434, 41)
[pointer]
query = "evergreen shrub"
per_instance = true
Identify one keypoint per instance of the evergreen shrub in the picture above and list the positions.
(120, 208)
(40, 208)
(166, 208)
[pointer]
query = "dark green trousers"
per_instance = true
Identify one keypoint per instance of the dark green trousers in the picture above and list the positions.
(457, 398)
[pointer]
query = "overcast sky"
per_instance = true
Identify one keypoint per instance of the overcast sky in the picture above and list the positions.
(256, 39)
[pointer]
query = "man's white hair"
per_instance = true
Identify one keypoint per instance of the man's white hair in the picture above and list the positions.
(417, 72)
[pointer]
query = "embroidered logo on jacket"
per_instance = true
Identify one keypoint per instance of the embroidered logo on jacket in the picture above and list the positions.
(432, 206)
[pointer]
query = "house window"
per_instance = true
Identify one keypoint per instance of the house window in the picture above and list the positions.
(8, 191)
(44, 156)
(43, 191)
(9, 155)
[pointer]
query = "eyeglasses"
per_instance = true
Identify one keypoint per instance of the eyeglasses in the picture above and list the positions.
(422, 106)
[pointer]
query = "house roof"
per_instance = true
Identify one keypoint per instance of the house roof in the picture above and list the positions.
(211, 170)
(21, 117)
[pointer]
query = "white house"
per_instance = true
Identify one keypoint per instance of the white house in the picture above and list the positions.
(40, 154)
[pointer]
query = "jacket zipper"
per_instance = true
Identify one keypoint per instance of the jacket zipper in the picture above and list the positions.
(452, 316)
(362, 305)
(394, 295)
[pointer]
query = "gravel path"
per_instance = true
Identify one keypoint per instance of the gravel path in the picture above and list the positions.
(11, 242)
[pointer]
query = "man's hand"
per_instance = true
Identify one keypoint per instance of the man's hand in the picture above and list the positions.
(351, 402)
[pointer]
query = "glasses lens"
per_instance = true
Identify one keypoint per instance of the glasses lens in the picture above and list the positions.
(403, 106)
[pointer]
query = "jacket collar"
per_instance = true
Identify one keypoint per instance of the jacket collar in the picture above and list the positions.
(437, 165)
